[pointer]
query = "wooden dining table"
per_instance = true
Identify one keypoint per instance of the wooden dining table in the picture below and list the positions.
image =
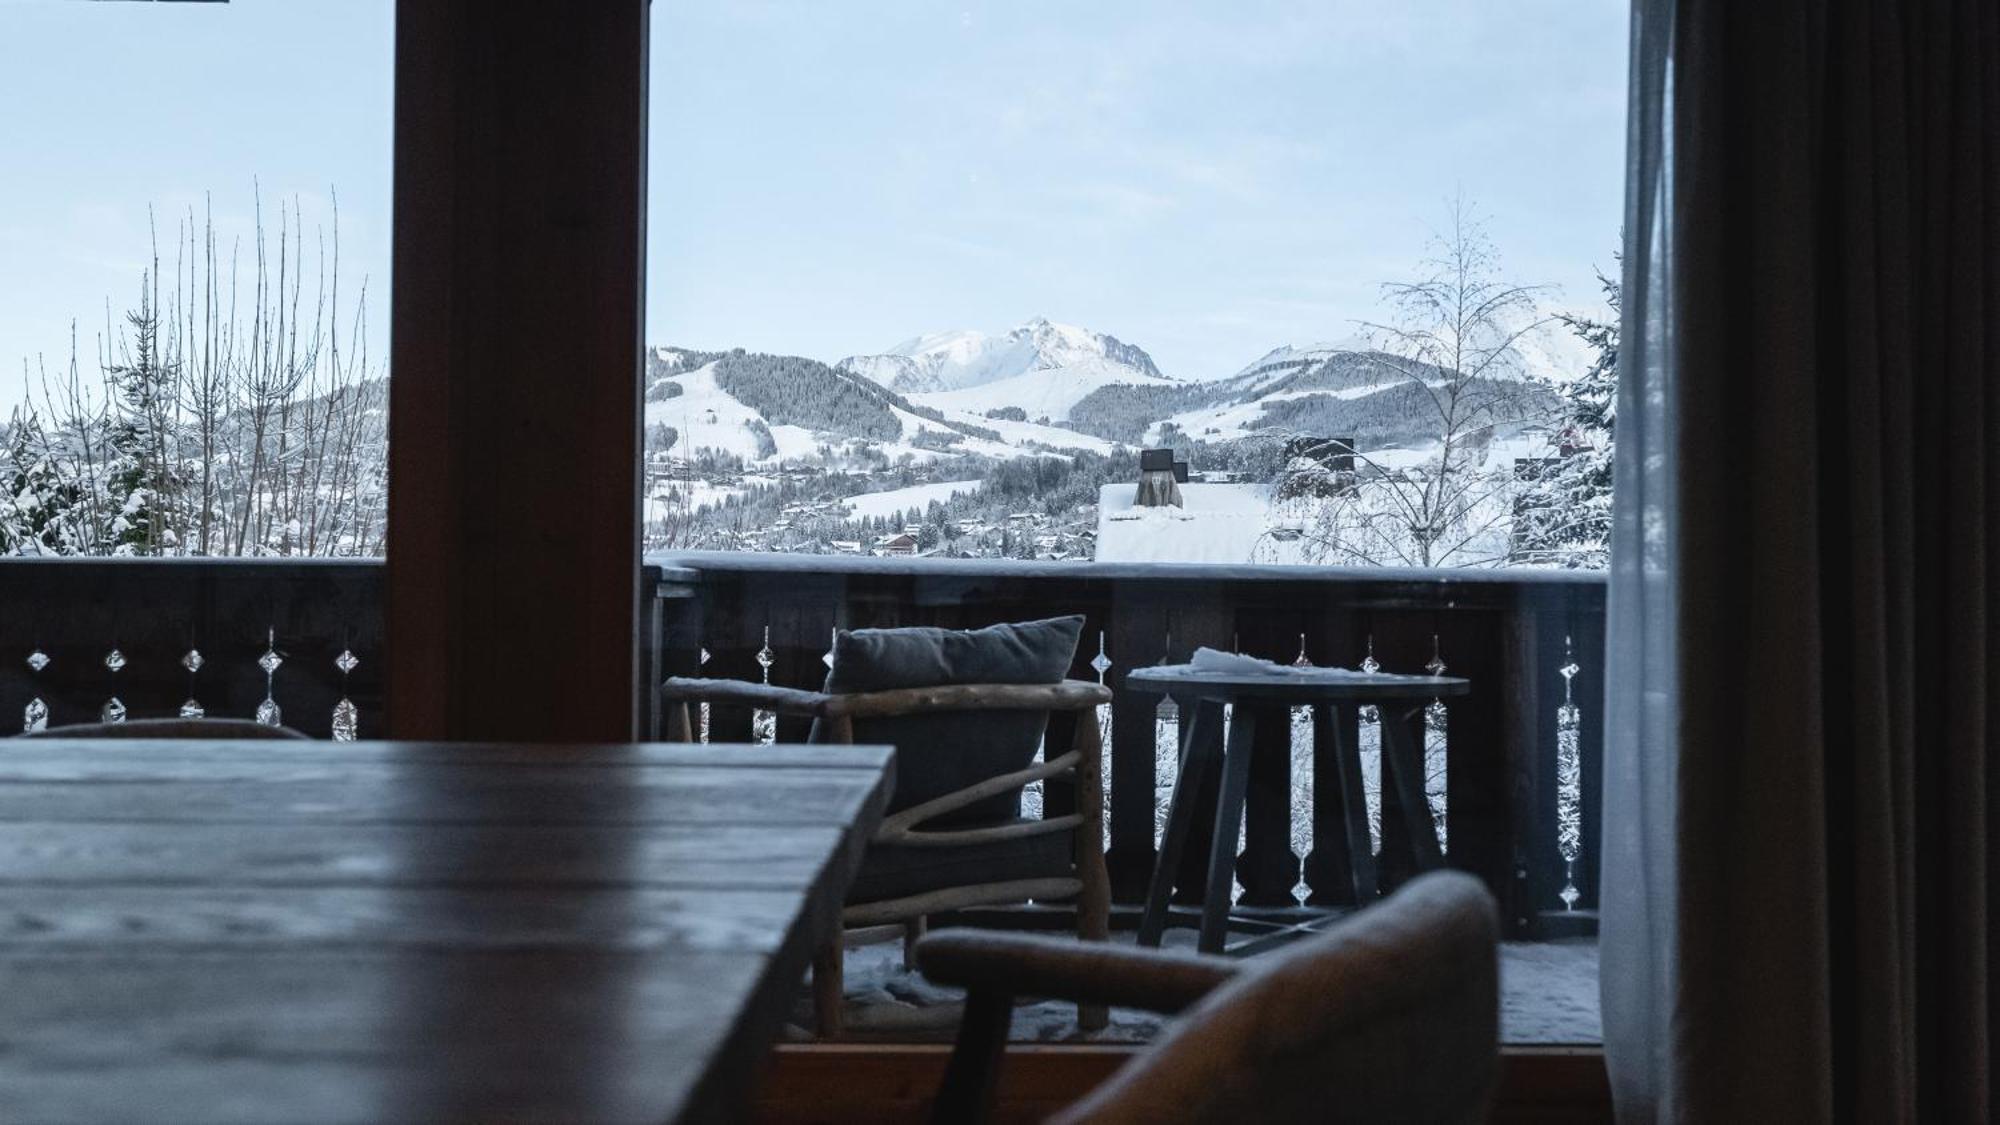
(269, 932)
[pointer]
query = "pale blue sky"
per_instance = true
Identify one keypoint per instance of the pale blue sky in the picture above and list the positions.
(831, 176)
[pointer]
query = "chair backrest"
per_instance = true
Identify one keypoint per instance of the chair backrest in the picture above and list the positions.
(1392, 1016)
(939, 753)
(170, 728)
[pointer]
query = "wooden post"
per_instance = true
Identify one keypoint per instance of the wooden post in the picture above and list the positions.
(1137, 638)
(1093, 901)
(513, 547)
(1268, 868)
(829, 986)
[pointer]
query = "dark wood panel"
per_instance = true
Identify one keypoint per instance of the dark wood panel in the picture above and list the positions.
(831, 1084)
(75, 610)
(514, 452)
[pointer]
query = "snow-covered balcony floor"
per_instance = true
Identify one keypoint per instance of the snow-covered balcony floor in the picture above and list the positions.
(1548, 996)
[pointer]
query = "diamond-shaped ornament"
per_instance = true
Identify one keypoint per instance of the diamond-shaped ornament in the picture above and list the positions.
(192, 661)
(1100, 663)
(346, 661)
(268, 713)
(35, 716)
(1369, 664)
(114, 660)
(113, 711)
(37, 660)
(270, 661)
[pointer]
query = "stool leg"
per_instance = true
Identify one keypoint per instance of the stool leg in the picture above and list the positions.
(1354, 803)
(1405, 759)
(1194, 766)
(1228, 819)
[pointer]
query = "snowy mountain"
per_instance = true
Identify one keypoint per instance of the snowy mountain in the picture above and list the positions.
(765, 408)
(1045, 388)
(953, 361)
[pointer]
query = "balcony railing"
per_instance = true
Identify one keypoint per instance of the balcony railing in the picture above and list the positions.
(303, 613)
(1519, 757)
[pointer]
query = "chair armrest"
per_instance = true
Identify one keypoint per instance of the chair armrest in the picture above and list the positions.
(1064, 968)
(1069, 695)
(787, 701)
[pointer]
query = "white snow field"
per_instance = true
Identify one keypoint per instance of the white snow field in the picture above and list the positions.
(708, 417)
(1048, 392)
(896, 501)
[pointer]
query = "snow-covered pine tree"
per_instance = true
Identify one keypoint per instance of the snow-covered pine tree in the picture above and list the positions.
(139, 479)
(1563, 513)
(40, 503)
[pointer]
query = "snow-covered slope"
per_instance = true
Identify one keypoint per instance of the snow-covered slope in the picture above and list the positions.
(896, 501)
(1047, 392)
(950, 361)
(707, 417)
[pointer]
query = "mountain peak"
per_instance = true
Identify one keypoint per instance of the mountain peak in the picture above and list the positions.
(949, 361)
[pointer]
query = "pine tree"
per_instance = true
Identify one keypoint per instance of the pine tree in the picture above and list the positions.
(1563, 514)
(40, 503)
(139, 478)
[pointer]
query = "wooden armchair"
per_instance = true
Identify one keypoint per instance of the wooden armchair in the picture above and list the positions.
(1392, 1015)
(911, 870)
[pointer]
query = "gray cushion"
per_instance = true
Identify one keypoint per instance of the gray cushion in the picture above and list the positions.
(938, 753)
(891, 871)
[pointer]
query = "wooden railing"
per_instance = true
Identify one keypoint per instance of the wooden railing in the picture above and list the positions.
(1517, 761)
(153, 612)
(1506, 789)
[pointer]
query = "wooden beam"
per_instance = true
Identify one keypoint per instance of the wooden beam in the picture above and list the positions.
(516, 357)
(807, 1084)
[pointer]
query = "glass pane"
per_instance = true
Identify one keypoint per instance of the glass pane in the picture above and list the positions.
(194, 271)
(1174, 302)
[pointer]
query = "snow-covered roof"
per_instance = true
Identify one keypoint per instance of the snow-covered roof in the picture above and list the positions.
(1217, 523)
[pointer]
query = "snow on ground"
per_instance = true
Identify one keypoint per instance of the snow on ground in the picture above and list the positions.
(689, 495)
(896, 501)
(708, 417)
(1231, 420)
(914, 424)
(1217, 523)
(1050, 392)
(1023, 433)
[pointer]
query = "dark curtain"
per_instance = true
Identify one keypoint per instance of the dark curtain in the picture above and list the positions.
(1832, 317)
